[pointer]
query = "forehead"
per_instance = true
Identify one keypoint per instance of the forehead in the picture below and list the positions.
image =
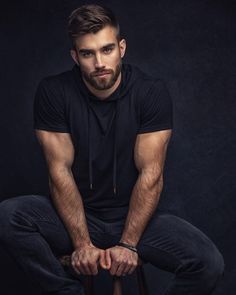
(95, 41)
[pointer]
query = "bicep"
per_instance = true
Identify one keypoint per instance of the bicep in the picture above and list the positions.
(150, 151)
(58, 148)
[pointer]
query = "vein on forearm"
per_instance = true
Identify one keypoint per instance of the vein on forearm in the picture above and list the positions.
(149, 155)
(144, 200)
(68, 202)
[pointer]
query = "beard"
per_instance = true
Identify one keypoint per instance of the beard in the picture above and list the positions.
(102, 83)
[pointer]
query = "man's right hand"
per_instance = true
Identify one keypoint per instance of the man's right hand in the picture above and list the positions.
(86, 260)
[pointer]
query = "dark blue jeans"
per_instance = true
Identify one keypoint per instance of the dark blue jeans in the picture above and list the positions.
(34, 235)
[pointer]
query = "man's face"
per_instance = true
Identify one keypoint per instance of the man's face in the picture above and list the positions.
(99, 57)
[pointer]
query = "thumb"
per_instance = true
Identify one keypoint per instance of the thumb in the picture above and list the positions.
(102, 259)
(108, 258)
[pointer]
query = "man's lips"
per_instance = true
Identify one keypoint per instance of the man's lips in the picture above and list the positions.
(100, 74)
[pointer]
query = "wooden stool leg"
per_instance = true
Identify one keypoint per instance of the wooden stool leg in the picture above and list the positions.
(117, 285)
(88, 285)
(142, 284)
(117, 281)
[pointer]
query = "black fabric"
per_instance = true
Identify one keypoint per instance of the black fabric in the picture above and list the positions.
(103, 131)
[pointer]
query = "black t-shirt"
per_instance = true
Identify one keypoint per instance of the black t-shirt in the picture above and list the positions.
(103, 132)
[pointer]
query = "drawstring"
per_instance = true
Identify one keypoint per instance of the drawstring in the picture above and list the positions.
(90, 150)
(114, 150)
(78, 74)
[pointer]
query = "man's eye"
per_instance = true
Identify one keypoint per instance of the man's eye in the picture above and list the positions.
(86, 54)
(107, 50)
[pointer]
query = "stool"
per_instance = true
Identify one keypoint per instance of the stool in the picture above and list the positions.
(117, 281)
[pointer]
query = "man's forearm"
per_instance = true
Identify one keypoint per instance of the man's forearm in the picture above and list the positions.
(68, 202)
(144, 200)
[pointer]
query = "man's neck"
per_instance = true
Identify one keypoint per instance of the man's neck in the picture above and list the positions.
(103, 94)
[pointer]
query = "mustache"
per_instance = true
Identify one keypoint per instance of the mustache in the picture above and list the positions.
(101, 72)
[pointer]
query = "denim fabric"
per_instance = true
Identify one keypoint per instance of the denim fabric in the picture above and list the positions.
(34, 235)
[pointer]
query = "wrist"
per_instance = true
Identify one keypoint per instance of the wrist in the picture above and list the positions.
(127, 246)
(84, 244)
(133, 242)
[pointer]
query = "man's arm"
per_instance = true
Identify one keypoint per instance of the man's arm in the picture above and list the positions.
(59, 153)
(149, 154)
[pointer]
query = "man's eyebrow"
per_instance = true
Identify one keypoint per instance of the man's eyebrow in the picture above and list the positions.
(110, 45)
(88, 50)
(85, 50)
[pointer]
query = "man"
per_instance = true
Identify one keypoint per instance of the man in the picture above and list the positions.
(104, 128)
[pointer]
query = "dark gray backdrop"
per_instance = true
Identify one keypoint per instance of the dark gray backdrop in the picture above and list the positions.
(191, 45)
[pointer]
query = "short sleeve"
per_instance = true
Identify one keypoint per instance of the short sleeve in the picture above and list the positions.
(156, 109)
(49, 110)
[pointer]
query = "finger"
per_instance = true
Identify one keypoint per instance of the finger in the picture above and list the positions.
(131, 270)
(114, 267)
(84, 268)
(93, 262)
(102, 259)
(108, 258)
(93, 268)
(74, 257)
(75, 268)
(127, 269)
(77, 264)
(121, 269)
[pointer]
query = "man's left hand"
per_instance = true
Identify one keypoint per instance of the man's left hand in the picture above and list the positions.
(121, 261)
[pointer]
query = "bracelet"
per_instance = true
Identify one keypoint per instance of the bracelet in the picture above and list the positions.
(132, 248)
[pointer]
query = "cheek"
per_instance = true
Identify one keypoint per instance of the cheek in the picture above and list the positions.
(86, 66)
(115, 59)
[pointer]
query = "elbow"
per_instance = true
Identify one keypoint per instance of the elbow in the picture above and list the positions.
(60, 181)
(58, 174)
(152, 181)
(157, 185)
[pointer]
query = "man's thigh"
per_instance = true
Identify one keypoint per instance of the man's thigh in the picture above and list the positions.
(170, 242)
(28, 217)
(32, 217)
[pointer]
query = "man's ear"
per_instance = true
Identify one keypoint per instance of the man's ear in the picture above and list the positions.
(74, 56)
(122, 45)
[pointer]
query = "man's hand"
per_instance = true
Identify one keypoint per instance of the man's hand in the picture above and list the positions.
(120, 261)
(85, 260)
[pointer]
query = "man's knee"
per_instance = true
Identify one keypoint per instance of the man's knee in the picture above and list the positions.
(207, 266)
(11, 214)
(213, 265)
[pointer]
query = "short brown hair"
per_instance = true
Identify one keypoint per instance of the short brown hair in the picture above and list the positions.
(90, 19)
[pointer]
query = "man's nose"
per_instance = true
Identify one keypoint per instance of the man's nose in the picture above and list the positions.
(98, 62)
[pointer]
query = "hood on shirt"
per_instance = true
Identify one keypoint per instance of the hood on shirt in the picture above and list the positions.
(128, 76)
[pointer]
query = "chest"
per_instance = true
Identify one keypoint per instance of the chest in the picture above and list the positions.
(101, 125)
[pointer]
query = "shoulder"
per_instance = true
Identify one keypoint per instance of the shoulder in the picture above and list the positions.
(143, 83)
(56, 82)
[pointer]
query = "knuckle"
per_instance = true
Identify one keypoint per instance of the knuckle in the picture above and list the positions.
(84, 262)
(130, 263)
